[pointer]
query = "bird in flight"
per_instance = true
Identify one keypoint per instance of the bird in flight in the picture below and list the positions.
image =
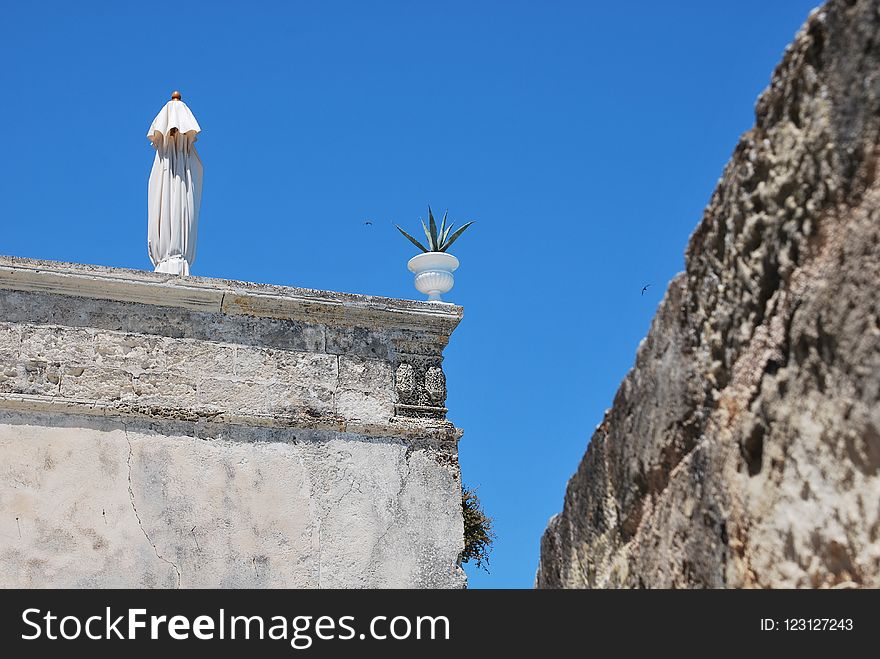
(368, 223)
(645, 288)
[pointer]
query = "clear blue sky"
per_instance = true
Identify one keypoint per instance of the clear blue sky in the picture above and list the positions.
(584, 137)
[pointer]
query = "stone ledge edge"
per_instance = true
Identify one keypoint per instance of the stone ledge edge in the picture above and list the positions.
(400, 427)
(225, 296)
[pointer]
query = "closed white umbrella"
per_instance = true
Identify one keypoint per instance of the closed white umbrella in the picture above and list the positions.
(175, 190)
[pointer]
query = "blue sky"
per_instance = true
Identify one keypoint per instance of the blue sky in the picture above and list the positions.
(584, 138)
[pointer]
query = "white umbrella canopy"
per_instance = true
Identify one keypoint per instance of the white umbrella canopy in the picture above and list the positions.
(175, 189)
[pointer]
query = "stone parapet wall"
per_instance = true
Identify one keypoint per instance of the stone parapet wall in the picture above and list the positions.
(302, 433)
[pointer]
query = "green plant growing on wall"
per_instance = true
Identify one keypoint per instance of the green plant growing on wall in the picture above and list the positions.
(478, 532)
(439, 239)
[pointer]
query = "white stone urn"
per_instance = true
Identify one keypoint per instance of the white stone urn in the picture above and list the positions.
(433, 273)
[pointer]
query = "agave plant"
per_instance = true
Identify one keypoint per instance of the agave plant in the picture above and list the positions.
(439, 240)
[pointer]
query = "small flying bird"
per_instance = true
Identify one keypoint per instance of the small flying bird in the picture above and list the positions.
(645, 288)
(368, 223)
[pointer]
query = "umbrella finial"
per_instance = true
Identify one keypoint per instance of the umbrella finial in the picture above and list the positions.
(175, 96)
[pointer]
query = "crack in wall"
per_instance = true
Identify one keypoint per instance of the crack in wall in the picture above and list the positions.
(397, 508)
(320, 566)
(137, 515)
(327, 509)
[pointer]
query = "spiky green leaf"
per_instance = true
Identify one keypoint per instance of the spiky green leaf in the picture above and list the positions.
(454, 237)
(435, 243)
(427, 235)
(411, 239)
(446, 233)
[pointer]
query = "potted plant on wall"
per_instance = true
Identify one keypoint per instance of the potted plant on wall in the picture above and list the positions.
(434, 267)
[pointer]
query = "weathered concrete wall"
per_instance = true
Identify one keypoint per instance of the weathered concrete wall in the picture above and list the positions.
(743, 449)
(187, 432)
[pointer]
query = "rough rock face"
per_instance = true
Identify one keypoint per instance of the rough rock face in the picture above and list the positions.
(743, 448)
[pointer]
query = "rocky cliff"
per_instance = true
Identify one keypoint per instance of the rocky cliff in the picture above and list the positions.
(743, 448)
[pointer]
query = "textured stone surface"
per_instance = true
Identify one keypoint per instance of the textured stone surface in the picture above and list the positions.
(183, 432)
(94, 502)
(743, 448)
